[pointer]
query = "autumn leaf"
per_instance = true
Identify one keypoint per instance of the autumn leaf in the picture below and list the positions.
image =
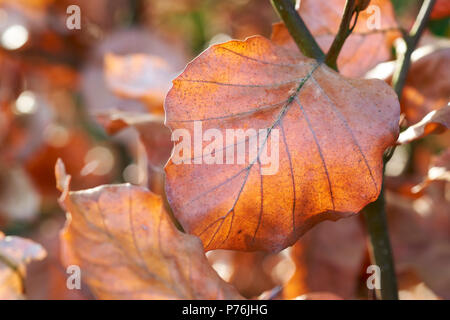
(154, 135)
(128, 248)
(15, 253)
(329, 258)
(330, 133)
(436, 121)
(369, 43)
(139, 76)
(439, 170)
(420, 239)
(253, 274)
(427, 86)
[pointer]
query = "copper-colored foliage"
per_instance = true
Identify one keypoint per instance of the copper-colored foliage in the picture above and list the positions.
(15, 253)
(139, 76)
(127, 246)
(152, 132)
(420, 238)
(435, 122)
(331, 132)
(369, 43)
(439, 170)
(328, 258)
(427, 87)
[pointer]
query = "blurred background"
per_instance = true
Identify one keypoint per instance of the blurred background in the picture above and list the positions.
(75, 94)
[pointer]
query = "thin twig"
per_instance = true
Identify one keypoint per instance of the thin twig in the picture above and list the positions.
(375, 213)
(344, 31)
(297, 28)
(407, 46)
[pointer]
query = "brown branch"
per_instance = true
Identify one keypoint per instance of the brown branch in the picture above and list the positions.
(344, 31)
(297, 28)
(375, 213)
(407, 46)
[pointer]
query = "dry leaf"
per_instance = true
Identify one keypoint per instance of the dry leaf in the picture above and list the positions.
(139, 76)
(329, 258)
(15, 253)
(128, 248)
(253, 274)
(436, 121)
(439, 170)
(368, 45)
(420, 239)
(331, 133)
(154, 135)
(427, 86)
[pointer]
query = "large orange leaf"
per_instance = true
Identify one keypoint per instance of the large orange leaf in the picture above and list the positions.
(331, 133)
(128, 248)
(369, 43)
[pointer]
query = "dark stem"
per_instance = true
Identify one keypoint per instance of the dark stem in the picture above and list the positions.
(297, 28)
(407, 46)
(375, 213)
(344, 31)
(380, 247)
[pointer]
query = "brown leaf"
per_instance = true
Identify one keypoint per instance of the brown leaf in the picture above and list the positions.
(128, 248)
(369, 43)
(331, 134)
(329, 258)
(139, 76)
(420, 239)
(154, 135)
(427, 86)
(439, 170)
(436, 121)
(253, 273)
(15, 253)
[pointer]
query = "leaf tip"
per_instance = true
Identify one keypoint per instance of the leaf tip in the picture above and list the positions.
(62, 179)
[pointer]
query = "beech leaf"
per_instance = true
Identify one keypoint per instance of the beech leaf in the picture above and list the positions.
(427, 86)
(128, 248)
(15, 253)
(439, 170)
(139, 76)
(330, 133)
(436, 121)
(154, 135)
